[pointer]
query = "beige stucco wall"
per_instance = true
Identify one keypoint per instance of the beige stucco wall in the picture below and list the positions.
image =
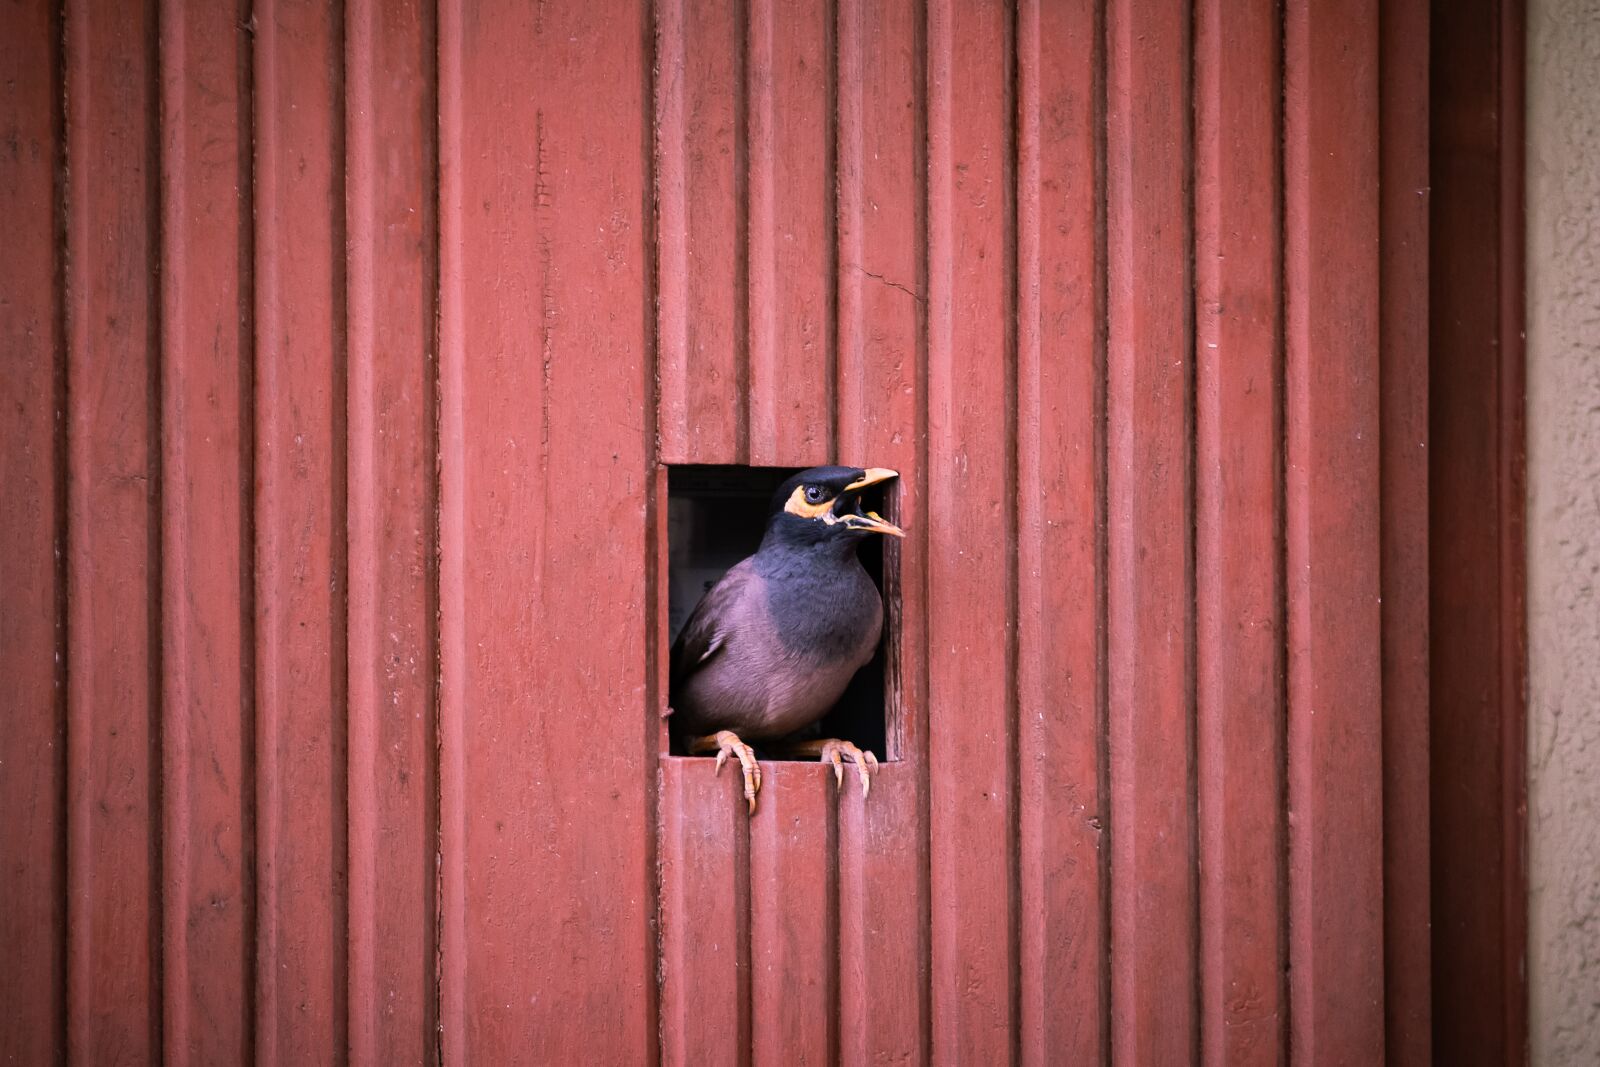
(1564, 530)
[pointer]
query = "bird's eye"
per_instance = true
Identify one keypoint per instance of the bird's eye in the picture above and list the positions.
(814, 494)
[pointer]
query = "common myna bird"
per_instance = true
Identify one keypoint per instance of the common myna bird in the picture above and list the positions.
(770, 647)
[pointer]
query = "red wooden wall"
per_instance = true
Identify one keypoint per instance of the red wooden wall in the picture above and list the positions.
(345, 344)
(1478, 580)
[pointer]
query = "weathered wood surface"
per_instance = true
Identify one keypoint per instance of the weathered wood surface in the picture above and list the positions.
(345, 348)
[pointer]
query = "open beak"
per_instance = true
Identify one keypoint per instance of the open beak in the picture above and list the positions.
(874, 523)
(870, 521)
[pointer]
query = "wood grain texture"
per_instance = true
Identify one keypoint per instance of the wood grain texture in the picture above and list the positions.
(1238, 540)
(393, 643)
(1149, 383)
(794, 950)
(883, 907)
(790, 186)
(700, 153)
(1335, 757)
(971, 533)
(705, 916)
(543, 709)
(207, 757)
(33, 757)
(113, 536)
(1061, 535)
(338, 596)
(300, 518)
(882, 419)
(1403, 474)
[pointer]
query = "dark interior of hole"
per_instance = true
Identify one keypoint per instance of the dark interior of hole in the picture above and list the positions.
(715, 518)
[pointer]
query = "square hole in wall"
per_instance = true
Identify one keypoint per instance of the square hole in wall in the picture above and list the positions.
(716, 516)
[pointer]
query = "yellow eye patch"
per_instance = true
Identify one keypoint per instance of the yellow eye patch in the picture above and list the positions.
(798, 505)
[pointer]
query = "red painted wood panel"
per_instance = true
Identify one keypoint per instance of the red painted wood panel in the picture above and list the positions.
(883, 955)
(705, 952)
(1238, 542)
(1332, 507)
(700, 154)
(547, 743)
(1149, 399)
(790, 212)
(1403, 473)
(363, 637)
(971, 532)
(114, 567)
(794, 957)
(1477, 801)
(207, 755)
(702, 130)
(390, 274)
(1061, 536)
(33, 757)
(883, 919)
(299, 519)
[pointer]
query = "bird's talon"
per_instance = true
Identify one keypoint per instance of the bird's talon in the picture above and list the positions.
(725, 742)
(834, 751)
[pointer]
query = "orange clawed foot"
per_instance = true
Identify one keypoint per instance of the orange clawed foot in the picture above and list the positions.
(725, 742)
(834, 751)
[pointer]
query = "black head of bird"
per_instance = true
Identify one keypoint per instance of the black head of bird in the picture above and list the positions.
(772, 645)
(822, 506)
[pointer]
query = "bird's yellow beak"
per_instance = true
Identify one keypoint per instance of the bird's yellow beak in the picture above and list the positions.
(874, 523)
(871, 520)
(869, 477)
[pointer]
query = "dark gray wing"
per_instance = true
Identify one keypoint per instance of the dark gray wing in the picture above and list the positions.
(705, 632)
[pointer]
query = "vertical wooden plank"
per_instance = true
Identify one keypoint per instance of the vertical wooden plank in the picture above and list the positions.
(882, 421)
(391, 274)
(1061, 592)
(545, 326)
(452, 885)
(114, 974)
(1335, 756)
(700, 161)
(971, 524)
(793, 934)
(1511, 478)
(1150, 578)
(1238, 548)
(32, 484)
(1476, 569)
(791, 200)
(299, 522)
(207, 831)
(1403, 403)
(705, 935)
(883, 914)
